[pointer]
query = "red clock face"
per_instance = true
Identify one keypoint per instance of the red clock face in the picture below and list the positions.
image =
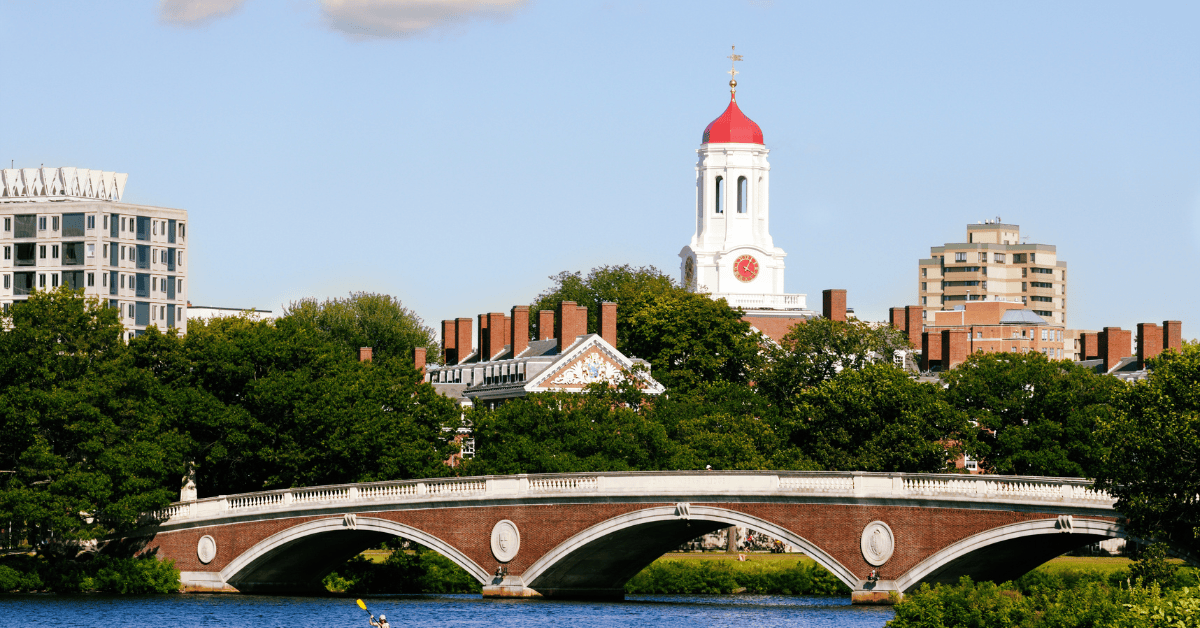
(745, 267)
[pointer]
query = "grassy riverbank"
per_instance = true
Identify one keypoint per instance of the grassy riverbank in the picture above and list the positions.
(780, 574)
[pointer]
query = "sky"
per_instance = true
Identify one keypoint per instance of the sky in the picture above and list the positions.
(457, 153)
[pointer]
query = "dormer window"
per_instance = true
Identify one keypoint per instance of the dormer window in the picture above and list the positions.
(720, 187)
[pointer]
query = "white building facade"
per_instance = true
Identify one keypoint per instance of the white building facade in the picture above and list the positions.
(69, 227)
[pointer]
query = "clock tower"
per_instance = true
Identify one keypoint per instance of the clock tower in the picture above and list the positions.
(731, 255)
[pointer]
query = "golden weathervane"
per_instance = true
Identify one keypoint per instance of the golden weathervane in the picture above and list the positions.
(733, 59)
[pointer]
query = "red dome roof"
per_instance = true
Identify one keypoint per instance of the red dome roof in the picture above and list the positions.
(732, 127)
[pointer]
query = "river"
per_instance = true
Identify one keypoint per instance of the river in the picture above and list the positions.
(183, 611)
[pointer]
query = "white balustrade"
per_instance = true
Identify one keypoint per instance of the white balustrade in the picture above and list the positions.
(563, 485)
(817, 484)
(386, 491)
(455, 488)
(310, 495)
(255, 501)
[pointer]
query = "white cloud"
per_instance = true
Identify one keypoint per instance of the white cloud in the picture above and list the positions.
(364, 19)
(189, 12)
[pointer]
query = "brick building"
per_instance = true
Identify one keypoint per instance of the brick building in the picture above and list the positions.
(948, 337)
(69, 227)
(497, 360)
(993, 265)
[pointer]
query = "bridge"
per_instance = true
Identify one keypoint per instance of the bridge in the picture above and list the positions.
(584, 536)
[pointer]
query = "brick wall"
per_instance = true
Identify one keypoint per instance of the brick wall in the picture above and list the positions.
(914, 323)
(449, 352)
(1149, 342)
(608, 322)
(1115, 343)
(545, 324)
(1173, 335)
(518, 335)
(955, 347)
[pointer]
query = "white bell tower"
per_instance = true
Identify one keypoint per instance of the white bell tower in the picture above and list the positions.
(731, 254)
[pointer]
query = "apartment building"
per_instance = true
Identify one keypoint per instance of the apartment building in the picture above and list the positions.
(994, 265)
(69, 227)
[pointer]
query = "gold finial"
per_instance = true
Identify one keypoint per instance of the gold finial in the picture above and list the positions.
(733, 59)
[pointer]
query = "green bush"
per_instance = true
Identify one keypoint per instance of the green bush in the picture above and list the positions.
(137, 575)
(699, 577)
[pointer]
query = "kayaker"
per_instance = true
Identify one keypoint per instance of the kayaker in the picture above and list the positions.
(382, 623)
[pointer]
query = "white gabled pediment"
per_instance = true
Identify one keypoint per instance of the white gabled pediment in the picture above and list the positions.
(587, 362)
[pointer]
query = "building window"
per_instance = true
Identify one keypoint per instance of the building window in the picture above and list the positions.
(720, 204)
(143, 314)
(960, 257)
(53, 251)
(41, 223)
(143, 256)
(26, 226)
(171, 259)
(130, 310)
(1032, 257)
(924, 286)
(72, 254)
(42, 251)
(73, 279)
(122, 253)
(1043, 271)
(91, 280)
(182, 230)
(42, 280)
(982, 257)
(979, 335)
(1041, 284)
(142, 286)
(112, 282)
(91, 221)
(924, 272)
(91, 250)
(122, 282)
(72, 225)
(154, 228)
(1023, 288)
(54, 223)
(743, 195)
(23, 283)
(143, 227)
(8, 252)
(26, 254)
(112, 226)
(171, 231)
(998, 258)
(924, 300)
(8, 224)
(7, 282)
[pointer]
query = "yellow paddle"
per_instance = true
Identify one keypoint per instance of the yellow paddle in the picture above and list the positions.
(363, 606)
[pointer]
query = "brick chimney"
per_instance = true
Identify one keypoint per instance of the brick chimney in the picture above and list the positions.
(462, 334)
(364, 354)
(449, 352)
(608, 322)
(419, 359)
(1173, 336)
(518, 334)
(1149, 342)
(914, 324)
(931, 348)
(955, 347)
(1089, 346)
(545, 324)
(482, 338)
(896, 317)
(833, 304)
(1114, 345)
(494, 338)
(567, 323)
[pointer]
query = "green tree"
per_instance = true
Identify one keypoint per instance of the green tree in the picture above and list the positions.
(1034, 416)
(366, 319)
(295, 408)
(815, 351)
(1153, 464)
(90, 437)
(567, 433)
(618, 284)
(875, 419)
(688, 338)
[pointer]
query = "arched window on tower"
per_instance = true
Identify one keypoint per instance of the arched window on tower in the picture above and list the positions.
(743, 194)
(720, 187)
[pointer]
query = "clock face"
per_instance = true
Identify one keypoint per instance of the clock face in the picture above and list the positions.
(745, 268)
(689, 272)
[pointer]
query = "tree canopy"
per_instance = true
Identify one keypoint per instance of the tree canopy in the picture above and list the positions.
(621, 284)
(1153, 466)
(366, 319)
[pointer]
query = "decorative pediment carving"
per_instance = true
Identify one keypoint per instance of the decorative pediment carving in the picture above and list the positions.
(590, 368)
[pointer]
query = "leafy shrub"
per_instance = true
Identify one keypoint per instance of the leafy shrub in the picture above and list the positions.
(421, 571)
(698, 577)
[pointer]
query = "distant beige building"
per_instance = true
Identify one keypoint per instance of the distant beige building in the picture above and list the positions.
(993, 265)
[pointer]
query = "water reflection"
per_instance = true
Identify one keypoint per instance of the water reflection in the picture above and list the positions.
(181, 611)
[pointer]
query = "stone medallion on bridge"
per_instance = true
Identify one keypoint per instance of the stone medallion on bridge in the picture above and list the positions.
(506, 540)
(206, 549)
(877, 543)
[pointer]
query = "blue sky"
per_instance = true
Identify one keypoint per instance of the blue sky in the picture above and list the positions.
(456, 153)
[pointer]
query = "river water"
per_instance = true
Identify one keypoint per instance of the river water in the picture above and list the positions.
(183, 611)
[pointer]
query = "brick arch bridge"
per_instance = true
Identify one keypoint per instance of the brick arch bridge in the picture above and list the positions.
(585, 535)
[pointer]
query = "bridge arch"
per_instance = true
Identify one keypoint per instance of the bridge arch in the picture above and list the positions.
(1009, 551)
(602, 558)
(298, 558)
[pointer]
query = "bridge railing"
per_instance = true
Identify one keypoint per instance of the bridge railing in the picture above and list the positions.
(666, 485)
